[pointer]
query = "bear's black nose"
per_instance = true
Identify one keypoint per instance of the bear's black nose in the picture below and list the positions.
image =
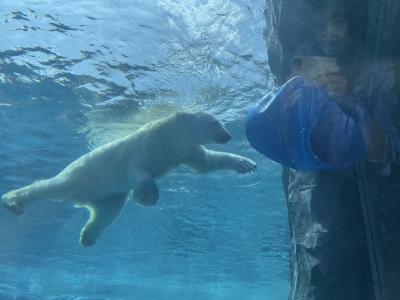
(223, 138)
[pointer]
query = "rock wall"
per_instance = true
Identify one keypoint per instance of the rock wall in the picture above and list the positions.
(344, 226)
(329, 257)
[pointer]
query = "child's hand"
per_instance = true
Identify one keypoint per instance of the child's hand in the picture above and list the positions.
(336, 84)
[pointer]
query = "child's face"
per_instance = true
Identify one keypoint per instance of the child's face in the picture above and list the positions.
(332, 29)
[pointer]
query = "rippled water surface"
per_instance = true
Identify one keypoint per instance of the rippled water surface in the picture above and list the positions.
(76, 74)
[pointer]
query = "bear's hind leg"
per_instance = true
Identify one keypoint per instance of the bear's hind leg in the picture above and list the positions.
(46, 189)
(102, 214)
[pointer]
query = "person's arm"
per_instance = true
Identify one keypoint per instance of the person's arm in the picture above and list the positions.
(339, 138)
(371, 129)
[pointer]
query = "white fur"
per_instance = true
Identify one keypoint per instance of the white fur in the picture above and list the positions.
(102, 179)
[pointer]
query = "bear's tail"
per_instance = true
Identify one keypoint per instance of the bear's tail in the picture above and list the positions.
(15, 200)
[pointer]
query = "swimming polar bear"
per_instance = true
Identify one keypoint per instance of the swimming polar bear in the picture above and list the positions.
(102, 179)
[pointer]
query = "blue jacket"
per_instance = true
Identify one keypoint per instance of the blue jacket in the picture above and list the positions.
(301, 127)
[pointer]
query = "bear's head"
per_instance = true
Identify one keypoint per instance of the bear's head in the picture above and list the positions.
(203, 128)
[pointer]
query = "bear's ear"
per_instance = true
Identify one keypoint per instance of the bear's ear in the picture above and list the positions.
(182, 115)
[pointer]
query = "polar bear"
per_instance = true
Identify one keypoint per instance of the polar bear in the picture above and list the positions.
(102, 179)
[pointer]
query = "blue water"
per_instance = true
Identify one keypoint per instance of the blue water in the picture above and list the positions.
(74, 75)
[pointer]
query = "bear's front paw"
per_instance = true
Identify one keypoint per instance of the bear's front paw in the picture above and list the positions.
(244, 165)
(86, 240)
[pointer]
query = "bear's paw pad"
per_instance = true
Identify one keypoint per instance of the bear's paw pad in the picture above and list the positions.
(244, 165)
(14, 207)
(86, 240)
